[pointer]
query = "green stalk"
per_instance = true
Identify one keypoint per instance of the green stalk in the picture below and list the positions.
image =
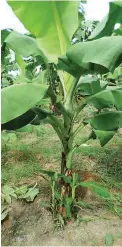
(79, 108)
(68, 103)
(58, 124)
(73, 186)
(58, 131)
(66, 115)
(53, 197)
(69, 158)
(70, 153)
(62, 84)
(73, 193)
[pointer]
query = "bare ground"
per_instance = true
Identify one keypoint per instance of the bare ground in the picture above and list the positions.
(32, 225)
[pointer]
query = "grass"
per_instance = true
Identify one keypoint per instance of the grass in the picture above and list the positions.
(107, 160)
(13, 174)
(25, 153)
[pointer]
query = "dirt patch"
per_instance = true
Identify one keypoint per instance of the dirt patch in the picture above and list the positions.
(39, 158)
(32, 225)
(29, 138)
(50, 166)
(18, 156)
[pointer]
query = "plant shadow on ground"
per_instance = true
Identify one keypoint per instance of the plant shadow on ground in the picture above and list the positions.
(29, 224)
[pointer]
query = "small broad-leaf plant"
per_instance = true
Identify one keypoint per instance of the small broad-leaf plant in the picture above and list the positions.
(78, 70)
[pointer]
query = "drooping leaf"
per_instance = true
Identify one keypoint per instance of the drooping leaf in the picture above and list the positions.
(88, 86)
(4, 34)
(107, 98)
(30, 195)
(52, 22)
(17, 99)
(20, 121)
(109, 239)
(109, 121)
(106, 26)
(104, 136)
(98, 189)
(23, 45)
(100, 55)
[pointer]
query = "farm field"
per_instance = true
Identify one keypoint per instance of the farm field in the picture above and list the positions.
(24, 155)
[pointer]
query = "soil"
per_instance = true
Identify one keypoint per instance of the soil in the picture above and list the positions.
(29, 224)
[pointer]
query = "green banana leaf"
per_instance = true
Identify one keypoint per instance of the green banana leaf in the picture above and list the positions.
(98, 189)
(103, 136)
(20, 121)
(52, 22)
(107, 98)
(4, 34)
(88, 86)
(23, 45)
(109, 121)
(18, 99)
(106, 26)
(100, 55)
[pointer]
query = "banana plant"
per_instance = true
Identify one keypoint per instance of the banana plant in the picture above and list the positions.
(107, 26)
(53, 23)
